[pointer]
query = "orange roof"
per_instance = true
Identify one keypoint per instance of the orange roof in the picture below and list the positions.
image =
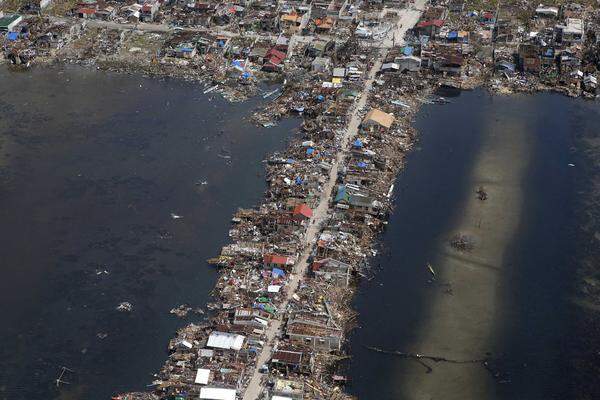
(325, 23)
(291, 17)
(302, 209)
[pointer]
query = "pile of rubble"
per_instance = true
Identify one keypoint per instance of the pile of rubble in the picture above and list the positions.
(280, 294)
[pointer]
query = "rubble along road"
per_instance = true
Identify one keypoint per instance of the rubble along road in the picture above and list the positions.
(159, 28)
(408, 18)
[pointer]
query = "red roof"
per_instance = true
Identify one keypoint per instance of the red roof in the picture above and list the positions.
(274, 53)
(302, 209)
(317, 265)
(89, 11)
(435, 22)
(275, 259)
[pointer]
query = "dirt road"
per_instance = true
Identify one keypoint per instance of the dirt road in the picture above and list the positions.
(408, 18)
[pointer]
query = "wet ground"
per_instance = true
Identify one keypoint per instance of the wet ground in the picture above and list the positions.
(93, 169)
(509, 299)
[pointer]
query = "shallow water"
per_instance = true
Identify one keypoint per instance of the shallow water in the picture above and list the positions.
(92, 167)
(508, 301)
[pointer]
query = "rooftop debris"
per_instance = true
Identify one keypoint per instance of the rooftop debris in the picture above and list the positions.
(356, 73)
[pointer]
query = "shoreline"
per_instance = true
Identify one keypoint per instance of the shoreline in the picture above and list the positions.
(331, 313)
(283, 288)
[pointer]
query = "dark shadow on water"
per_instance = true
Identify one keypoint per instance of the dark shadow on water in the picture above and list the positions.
(538, 333)
(427, 195)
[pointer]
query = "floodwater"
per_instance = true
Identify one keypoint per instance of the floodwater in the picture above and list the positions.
(507, 300)
(93, 168)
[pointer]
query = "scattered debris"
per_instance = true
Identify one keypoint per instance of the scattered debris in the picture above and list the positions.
(462, 242)
(481, 193)
(125, 307)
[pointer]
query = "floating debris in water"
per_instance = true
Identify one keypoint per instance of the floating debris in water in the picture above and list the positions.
(125, 307)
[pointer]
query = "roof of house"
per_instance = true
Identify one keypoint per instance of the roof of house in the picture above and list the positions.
(89, 11)
(225, 340)
(433, 22)
(325, 23)
(276, 259)
(303, 209)
(217, 394)
(276, 53)
(380, 118)
(202, 376)
(291, 17)
(8, 19)
(287, 357)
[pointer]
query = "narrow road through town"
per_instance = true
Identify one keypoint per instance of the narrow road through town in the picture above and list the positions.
(407, 19)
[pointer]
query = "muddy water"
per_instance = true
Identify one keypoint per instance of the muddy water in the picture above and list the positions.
(92, 167)
(508, 299)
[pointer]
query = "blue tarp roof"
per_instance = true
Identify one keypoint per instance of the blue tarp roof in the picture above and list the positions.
(341, 194)
(452, 35)
(408, 50)
(361, 164)
(12, 36)
(549, 52)
(277, 272)
(309, 151)
(357, 143)
(299, 180)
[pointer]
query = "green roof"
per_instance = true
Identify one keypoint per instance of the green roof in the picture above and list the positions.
(8, 19)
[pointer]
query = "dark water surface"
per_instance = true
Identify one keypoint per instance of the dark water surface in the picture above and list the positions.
(537, 333)
(92, 166)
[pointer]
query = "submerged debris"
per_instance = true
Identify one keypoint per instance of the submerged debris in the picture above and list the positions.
(462, 242)
(481, 193)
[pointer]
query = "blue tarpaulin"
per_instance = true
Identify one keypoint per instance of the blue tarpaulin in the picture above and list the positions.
(309, 151)
(320, 97)
(452, 35)
(12, 36)
(299, 180)
(362, 164)
(408, 50)
(246, 75)
(358, 143)
(277, 272)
